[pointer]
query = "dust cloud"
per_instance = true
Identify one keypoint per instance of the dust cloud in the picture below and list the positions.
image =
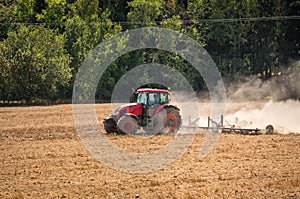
(284, 85)
(274, 101)
(255, 103)
(283, 115)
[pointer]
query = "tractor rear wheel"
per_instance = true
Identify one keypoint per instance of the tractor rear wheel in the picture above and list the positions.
(127, 125)
(170, 120)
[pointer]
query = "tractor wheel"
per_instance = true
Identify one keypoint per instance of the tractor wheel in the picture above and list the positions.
(269, 129)
(170, 120)
(127, 125)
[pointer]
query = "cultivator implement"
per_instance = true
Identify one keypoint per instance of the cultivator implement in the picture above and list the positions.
(220, 126)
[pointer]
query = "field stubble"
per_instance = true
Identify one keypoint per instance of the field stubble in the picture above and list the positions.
(41, 156)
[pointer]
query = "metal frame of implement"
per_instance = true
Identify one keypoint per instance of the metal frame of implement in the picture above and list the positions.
(211, 124)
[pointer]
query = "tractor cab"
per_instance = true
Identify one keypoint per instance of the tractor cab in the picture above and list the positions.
(150, 96)
(151, 100)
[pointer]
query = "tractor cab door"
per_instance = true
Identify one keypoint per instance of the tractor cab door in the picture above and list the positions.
(154, 101)
(150, 103)
(141, 98)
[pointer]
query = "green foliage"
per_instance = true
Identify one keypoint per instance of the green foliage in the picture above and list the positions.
(117, 8)
(35, 63)
(55, 11)
(6, 82)
(242, 47)
(87, 25)
(25, 11)
(85, 28)
(41, 58)
(145, 11)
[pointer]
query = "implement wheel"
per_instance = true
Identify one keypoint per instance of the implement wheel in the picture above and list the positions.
(269, 129)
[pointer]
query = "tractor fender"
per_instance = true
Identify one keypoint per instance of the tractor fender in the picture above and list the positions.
(133, 116)
(163, 107)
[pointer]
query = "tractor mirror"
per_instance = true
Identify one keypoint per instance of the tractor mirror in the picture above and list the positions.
(133, 97)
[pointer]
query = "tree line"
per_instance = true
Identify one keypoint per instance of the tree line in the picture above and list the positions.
(43, 42)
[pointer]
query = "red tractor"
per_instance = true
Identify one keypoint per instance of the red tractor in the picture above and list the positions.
(148, 109)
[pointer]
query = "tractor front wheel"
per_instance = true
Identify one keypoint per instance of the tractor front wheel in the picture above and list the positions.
(127, 125)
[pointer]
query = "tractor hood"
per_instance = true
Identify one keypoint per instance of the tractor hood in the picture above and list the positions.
(129, 109)
(129, 105)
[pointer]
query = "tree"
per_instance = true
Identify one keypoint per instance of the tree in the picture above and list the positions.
(35, 62)
(86, 26)
(6, 16)
(234, 33)
(242, 47)
(290, 43)
(145, 11)
(117, 8)
(54, 12)
(25, 11)
(7, 85)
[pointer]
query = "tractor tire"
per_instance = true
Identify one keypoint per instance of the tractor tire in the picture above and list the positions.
(170, 120)
(127, 125)
(269, 129)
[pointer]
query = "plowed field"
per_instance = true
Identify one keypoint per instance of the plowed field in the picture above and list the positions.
(41, 156)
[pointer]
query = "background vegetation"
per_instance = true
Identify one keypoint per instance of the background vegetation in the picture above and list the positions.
(43, 42)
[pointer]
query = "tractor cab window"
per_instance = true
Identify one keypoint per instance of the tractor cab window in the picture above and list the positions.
(153, 98)
(164, 98)
(158, 98)
(142, 98)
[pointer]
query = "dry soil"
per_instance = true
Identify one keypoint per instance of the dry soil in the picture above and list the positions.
(41, 156)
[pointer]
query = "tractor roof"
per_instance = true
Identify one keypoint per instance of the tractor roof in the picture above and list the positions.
(152, 90)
